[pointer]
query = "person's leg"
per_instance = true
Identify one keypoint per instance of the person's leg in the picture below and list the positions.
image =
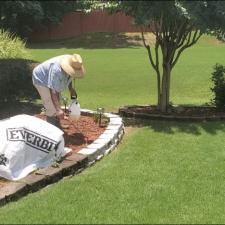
(44, 92)
(48, 104)
(54, 121)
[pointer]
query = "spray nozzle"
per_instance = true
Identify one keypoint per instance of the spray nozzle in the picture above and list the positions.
(73, 97)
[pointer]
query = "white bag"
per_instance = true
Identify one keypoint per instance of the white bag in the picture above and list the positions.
(28, 143)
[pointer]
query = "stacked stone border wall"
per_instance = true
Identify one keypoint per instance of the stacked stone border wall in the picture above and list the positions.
(71, 165)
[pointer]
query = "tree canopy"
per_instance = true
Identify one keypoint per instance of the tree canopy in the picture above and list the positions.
(22, 17)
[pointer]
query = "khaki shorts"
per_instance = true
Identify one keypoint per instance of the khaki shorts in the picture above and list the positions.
(47, 100)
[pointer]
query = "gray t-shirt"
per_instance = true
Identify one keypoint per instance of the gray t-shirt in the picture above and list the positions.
(50, 74)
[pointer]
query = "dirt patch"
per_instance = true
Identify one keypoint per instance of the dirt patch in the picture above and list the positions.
(98, 40)
(78, 134)
(129, 130)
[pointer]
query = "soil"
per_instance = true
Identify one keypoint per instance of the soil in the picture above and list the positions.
(78, 134)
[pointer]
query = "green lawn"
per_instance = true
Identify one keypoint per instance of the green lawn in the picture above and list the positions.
(162, 172)
(119, 76)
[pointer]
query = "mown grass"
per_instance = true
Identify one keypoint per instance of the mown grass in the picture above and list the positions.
(118, 76)
(162, 172)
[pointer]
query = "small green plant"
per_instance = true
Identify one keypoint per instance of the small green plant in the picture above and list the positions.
(11, 46)
(95, 117)
(99, 117)
(218, 78)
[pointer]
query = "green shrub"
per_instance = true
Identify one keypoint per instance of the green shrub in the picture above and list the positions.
(218, 78)
(15, 70)
(16, 80)
(11, 46)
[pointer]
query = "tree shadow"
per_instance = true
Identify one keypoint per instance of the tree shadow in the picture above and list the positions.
(99, 40)
(15, 108)
(172, 127)
(75, 139)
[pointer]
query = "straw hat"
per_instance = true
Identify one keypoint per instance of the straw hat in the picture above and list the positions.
(73, 65)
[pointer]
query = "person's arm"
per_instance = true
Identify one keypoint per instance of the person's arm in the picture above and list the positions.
(56, 101)
(73, 92)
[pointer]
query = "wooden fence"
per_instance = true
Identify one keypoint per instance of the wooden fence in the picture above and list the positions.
(78, 23)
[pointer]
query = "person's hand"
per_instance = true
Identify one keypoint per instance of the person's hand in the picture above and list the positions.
(60, 114)
(66, 117)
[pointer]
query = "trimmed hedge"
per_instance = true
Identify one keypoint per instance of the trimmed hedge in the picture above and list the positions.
(16, 80)
(218, 78)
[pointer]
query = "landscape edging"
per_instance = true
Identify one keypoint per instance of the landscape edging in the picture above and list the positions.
(71, 165)
(125, 112)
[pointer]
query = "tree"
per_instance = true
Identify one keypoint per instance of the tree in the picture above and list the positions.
(22, 17)
(177, 25)
(55, 10)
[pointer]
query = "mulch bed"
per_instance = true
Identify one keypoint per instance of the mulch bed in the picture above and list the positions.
(179, 112)
(78, 134)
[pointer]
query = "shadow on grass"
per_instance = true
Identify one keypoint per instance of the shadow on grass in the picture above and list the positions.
(11, 109)
(92, 41)
(172, 127)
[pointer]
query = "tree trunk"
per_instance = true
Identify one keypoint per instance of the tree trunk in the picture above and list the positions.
(165, 91)
(158, 89)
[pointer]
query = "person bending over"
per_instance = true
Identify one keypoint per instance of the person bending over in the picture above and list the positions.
(52, 77)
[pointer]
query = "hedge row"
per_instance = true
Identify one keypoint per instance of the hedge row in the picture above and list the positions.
(16, 80)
